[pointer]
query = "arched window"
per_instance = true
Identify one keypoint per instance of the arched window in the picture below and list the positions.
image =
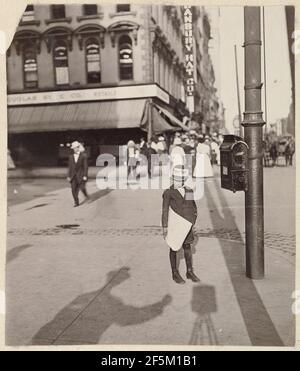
(125, 58)
(30, 66)
(61, 64)
(93, 62)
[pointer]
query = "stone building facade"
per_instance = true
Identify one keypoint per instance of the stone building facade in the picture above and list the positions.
(91, 72)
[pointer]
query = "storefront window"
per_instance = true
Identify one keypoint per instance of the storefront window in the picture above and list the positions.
(93, 62)
(61, 65)
(30, 67)
(125, 58)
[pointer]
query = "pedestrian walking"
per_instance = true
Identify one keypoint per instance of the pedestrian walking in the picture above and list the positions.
(179, 214)
(177, 154)
(203, 168)
(161, 145)
(289, 152)
(131, 159)
(78, 171)
(161, 150)
(144, 154)
(274, 153)
(143, 147)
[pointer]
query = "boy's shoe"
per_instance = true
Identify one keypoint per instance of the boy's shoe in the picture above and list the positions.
(190, 275)
(177, 278)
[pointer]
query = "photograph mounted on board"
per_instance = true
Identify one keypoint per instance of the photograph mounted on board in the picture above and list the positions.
(151, 175)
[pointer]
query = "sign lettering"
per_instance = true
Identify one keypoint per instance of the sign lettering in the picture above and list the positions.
(189, 50)
(124, 92)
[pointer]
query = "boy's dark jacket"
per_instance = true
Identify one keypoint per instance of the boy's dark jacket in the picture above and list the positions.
(183, 207)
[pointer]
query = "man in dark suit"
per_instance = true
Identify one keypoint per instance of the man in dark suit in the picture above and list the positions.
(78, 171)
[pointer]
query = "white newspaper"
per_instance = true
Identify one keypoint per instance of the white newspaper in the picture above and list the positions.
(178, 229)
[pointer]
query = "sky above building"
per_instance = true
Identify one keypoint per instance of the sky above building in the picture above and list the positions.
(228, 30)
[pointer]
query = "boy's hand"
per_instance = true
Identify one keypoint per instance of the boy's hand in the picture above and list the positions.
(165, 232)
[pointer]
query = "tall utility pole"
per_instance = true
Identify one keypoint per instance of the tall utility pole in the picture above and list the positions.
(253, 132)
(265, 69)
(238, 92)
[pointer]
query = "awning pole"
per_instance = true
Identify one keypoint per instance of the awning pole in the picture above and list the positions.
(150, 124)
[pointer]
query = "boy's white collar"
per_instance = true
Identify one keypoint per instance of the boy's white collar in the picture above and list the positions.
(181, 190)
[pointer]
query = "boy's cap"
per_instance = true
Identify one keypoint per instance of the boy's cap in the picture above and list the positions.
(180, 173)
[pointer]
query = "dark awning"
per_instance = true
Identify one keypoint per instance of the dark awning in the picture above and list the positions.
(173, 120)
(159, 124)
(80, 116)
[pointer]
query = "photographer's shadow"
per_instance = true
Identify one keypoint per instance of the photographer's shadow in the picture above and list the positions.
(204, 304)
(86, 318)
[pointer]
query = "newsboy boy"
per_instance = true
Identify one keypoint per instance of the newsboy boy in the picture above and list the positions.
(180, 199)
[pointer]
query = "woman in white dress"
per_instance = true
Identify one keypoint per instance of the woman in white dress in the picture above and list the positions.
(177, 154)
(131, 158)
(203, 168)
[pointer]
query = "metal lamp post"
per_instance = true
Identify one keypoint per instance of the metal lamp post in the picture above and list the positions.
(253, 130)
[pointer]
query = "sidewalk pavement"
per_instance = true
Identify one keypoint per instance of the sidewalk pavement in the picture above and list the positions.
(99, 274)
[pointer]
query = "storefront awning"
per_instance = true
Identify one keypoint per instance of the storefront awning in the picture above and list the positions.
(173, 120)
(158, 123)
(119, 114)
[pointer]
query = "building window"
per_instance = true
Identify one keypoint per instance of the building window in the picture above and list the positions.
(125, 58)
(123, 8)
(61, 65)
(58, 11)
(93, 62)
(90, 9)
(28, 15)
(30, 67)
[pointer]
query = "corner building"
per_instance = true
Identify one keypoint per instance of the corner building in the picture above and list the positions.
(93, 72)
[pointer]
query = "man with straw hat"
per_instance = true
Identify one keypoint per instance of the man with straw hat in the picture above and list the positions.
(179, 214)
(78, 171)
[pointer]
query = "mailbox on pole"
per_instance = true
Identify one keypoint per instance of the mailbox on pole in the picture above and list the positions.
(234, 164)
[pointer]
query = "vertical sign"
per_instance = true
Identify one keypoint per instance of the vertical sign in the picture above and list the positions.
(189, 55)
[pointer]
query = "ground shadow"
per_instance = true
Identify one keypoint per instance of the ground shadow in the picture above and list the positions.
(204, 303)
(86, 318)
(99, 194)
(36, 206)
(15, 252)
(261, 329)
